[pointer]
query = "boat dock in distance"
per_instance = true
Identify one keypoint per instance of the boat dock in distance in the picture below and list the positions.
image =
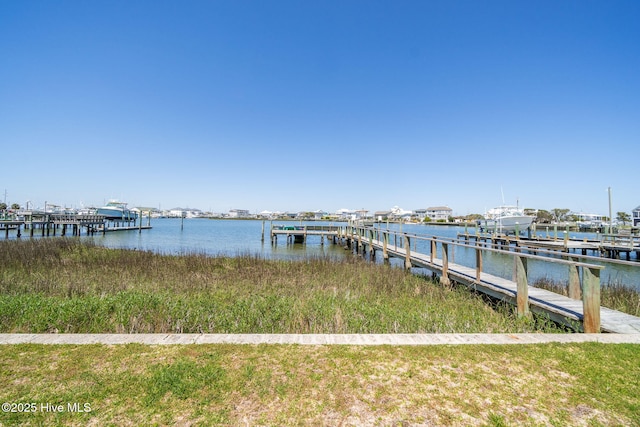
(580, 310)
(52, 223)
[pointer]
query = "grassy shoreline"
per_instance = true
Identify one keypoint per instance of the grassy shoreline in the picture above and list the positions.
(65, 285)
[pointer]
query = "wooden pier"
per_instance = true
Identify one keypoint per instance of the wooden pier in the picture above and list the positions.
(299, 233)
(51, 223)
(608, 246)
(580, 311)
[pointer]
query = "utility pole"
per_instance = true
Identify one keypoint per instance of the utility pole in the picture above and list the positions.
(610, 214)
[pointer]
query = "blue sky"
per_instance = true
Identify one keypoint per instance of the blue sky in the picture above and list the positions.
(306, 105)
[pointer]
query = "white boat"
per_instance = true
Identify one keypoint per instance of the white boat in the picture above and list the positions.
(506, 219)
(115, 210)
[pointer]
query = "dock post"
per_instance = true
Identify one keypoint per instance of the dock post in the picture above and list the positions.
(574, 282)
(591, 300)
(433, 251)
(478, 264)
(385, 242)
(407, 252)
(444, 279)
(522, 296)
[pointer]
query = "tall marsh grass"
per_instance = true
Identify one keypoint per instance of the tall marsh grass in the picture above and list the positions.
(69, 285)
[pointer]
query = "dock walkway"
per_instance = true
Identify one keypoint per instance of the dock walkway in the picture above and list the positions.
(569, 311)
(609, 245)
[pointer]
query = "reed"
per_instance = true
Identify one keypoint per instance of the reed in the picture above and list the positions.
(69, 285)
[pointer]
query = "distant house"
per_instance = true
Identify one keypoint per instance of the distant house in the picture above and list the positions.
(176, 213)
(398, 213)
(345, 214)
(588, 220)
(381, 215)
(439, 213)
(361, 213)
(238, 213)
(421, 214)
(636, 216)
(319, 214)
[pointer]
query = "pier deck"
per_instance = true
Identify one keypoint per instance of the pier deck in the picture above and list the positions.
(301, 232)
(612, 247)
(49, 223)
(569, 311)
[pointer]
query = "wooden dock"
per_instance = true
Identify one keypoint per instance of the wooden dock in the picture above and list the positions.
(609, 246)
(51, 223)
(299, 233)
(581, 310)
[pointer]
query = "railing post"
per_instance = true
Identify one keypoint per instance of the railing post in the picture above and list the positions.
(522, 296)
(478, 264)
(372, 251)
(574, 282)
(385, 242)
(444, 279)
(591, 299)
(433, 250)
(407, 253)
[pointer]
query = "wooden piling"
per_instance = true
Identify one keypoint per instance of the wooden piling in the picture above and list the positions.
(591, 299)
(522, 295)
(478, 264)
(444, 279)
(385, 243)
(407, 252)
(574, 282)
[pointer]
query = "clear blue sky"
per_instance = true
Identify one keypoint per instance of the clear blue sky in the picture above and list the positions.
(306, 105)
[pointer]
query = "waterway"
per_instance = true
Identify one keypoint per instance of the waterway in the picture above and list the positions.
(243, 237)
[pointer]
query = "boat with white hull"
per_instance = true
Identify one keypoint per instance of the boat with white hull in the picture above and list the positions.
(506, 219)
(115, 210)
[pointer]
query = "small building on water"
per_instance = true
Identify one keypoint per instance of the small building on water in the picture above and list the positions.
(636, 216)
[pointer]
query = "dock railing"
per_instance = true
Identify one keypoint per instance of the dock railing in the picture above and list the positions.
(583, 278)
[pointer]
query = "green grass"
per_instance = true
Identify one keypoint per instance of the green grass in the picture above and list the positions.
(64, 285)
(558, 385)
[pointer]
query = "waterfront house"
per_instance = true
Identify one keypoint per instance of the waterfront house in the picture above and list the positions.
(420, 214)
(382, 215)
(439, 213)
(636, 216)
(345, 214)
(588, 220)
(399, 214)
(238, 213)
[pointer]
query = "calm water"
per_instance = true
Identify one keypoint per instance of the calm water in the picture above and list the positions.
(232, 238)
